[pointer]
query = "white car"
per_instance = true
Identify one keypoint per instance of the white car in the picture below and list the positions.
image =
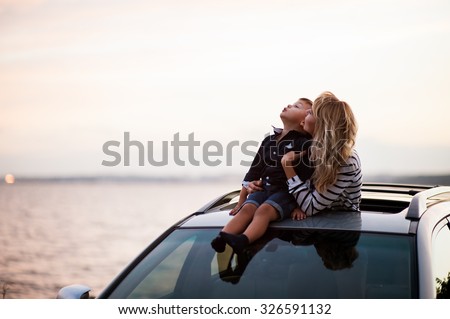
(395, 247)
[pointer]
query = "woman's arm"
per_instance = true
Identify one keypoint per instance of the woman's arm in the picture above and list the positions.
(242, 197)
(250, 183)
(258, 164)
(311, 201)
(247, 188)
(287, 161)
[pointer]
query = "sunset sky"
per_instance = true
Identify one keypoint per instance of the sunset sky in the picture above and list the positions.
(75, 74)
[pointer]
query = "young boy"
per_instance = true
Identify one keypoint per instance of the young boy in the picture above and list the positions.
(269, 199)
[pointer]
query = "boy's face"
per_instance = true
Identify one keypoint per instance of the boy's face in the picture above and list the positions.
(296, 112)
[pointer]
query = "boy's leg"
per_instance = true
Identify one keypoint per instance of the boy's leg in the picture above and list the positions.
(235, 226)
(278, 206)
(241, 220)
(264, 215)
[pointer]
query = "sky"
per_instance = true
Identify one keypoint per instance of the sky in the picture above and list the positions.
(82, 82)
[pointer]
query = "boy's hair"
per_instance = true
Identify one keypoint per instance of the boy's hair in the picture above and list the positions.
(304, 99)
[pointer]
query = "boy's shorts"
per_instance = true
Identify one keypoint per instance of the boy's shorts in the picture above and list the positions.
(283, 202)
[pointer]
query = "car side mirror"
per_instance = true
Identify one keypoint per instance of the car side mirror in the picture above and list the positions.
(74, 292)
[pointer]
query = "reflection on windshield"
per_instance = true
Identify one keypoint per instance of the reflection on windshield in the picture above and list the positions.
(337, 249)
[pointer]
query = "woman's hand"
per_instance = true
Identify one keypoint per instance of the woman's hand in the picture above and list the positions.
(289, 158)
(255, 186)
(286, 162)
(251, 187)
(236, 208)
(298, 214)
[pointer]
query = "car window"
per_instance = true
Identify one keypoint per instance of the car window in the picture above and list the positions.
(283, 264)
(441, 259)
(157, 275)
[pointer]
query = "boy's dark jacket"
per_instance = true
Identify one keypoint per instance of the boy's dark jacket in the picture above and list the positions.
(267, 162)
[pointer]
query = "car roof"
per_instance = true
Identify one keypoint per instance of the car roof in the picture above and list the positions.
(388, 208)
(332, 220)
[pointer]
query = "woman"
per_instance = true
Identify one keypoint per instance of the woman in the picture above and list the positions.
(337, 178)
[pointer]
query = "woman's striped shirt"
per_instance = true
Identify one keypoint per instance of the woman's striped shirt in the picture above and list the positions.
(345, 194)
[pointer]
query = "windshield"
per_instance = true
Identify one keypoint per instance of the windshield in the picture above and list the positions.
(283, 264)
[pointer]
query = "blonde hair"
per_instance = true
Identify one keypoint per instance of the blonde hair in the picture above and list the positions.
(333, 140)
